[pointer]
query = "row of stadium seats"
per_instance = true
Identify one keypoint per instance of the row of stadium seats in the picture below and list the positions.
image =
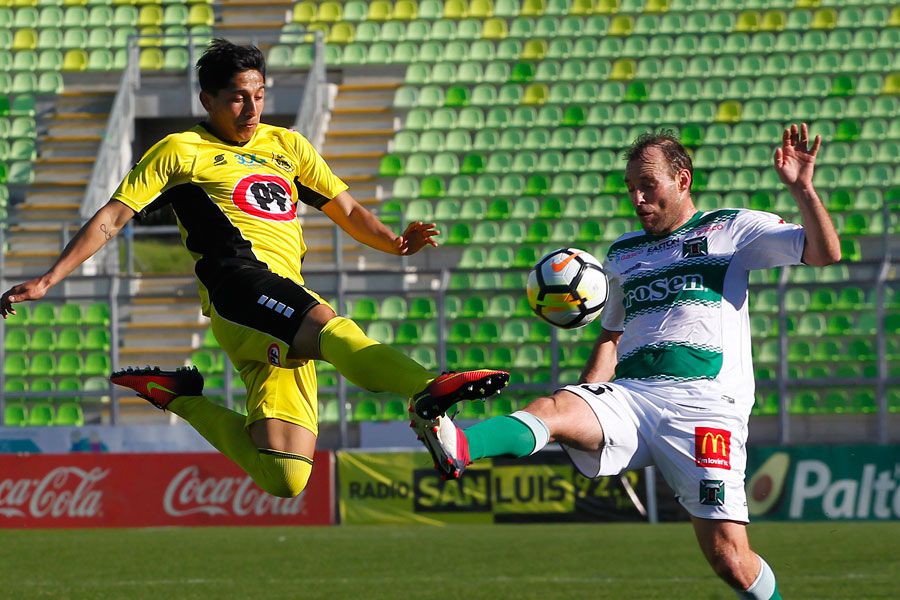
(583, 232)
(767, 351)
(40, 4)
(104, 38)
(560, 38)
(101, 59)
(68, 339)
(602, 36)
(383, 53)
(63, 364)
(660, 18)
(585, 126)
(702, 109)
(516, 184)
(833, 401)
(475, 208)
(41, 414)
(559, 127)
(26, 20)
(604, 162)
(48, 314)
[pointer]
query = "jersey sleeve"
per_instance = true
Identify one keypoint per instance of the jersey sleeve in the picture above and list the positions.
(763, 240)
(166, 164)
(613, 316)
(316, 184)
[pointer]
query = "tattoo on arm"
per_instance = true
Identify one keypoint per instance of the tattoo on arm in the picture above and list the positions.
(106, 231)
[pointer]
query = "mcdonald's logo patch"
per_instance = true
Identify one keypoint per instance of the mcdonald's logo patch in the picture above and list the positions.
(712, 447)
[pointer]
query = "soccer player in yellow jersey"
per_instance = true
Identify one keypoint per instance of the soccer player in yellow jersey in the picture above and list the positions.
(234, 184)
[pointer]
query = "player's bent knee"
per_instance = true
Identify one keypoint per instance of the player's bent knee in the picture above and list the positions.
(569, 419)
(283, 474)
(305, 344)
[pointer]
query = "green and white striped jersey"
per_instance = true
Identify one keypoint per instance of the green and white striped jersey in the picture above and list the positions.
(681, 300)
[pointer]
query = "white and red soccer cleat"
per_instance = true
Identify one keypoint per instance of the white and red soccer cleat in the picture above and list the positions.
(450, 388)
(160, 387)
(448, 445)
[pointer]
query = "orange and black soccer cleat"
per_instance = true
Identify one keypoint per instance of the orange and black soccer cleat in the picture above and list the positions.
(160, 387)
(450, 388)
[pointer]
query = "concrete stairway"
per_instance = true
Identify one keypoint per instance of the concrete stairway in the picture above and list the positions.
(243, 17)
(362, 124)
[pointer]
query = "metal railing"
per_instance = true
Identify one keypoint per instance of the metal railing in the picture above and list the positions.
(313, 104)
(113, 160)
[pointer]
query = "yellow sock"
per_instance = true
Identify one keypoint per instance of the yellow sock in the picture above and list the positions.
(286, 474)
(278, 473)
(369, 364)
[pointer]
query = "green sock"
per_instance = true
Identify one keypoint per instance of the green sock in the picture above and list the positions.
(505, 436)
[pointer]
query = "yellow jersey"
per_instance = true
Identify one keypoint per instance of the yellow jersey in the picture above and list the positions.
(236, 205)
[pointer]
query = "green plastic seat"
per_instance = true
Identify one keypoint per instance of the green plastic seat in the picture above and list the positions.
(394, 410)
(366, 410)
(69, 414)
(42, 364)
(97, 313)
(40, 415)
(208, 361)
(96, 364)
(15, 415)
(381, 331)
(15, 365)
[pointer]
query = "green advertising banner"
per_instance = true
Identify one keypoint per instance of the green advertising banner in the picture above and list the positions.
(815, 483)
(403, 487)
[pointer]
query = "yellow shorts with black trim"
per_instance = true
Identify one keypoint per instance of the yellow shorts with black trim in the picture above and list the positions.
(256, 335)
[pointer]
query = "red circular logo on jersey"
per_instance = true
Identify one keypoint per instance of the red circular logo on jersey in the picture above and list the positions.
(265, 196)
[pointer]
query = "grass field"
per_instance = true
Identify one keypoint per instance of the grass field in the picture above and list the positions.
(817, 560)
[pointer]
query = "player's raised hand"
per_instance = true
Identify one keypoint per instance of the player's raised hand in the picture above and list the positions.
(33, 289)
(795, 160)
(416, 237)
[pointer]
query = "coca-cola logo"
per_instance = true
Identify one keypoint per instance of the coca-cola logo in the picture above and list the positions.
(62, 492)
(188, 494)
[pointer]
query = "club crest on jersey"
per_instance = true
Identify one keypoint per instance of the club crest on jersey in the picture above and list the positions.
(712, 492)
(274, 355)
(694, 247)
(265, 196)
(282, 161)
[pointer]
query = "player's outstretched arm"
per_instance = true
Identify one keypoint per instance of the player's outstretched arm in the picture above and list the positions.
(601, 366)
(795, 162)
(366, 228)
(101, 228)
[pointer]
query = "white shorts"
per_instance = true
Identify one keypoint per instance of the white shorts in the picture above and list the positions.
(700, 451)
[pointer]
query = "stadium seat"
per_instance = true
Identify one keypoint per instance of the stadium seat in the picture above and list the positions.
(40, 415)
(15, 415)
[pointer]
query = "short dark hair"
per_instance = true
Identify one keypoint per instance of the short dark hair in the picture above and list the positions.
(665, 140)
(222, 60)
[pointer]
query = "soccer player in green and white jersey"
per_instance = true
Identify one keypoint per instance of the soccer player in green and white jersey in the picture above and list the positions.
(670, 381)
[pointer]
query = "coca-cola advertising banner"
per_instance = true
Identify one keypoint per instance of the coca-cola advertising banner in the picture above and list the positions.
(150, 490)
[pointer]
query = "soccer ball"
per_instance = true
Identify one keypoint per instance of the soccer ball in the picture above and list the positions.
(567, 288)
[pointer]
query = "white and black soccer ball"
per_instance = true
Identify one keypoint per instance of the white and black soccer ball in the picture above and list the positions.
(567, 288)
